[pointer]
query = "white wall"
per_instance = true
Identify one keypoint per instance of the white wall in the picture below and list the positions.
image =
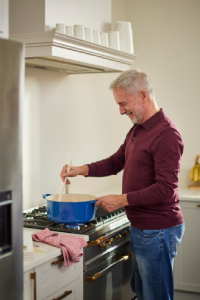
(66, 117)
(76, 116)
(167, 42)
(90, 13)
(42, 15)
(4, 13)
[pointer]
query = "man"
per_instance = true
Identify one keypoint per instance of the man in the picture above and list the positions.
(150, 158)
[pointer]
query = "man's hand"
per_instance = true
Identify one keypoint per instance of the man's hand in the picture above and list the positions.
(74, 171)
(112, 202)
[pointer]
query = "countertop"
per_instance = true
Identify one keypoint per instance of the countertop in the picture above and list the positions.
(43, 252)
(185, 194)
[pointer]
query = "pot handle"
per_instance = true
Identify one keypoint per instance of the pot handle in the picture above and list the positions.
(93, 201)
(45, 195)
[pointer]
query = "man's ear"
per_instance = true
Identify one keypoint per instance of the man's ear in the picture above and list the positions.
(143, 95)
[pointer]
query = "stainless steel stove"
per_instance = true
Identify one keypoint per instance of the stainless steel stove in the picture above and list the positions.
(37, 218)
(107, 259)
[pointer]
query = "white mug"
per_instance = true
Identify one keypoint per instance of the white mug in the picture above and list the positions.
(69, 30)
(79, 31)
(60, 27)
(113, 39)
(96, 36)
(104, 38)
(125, 36)
(88, 34)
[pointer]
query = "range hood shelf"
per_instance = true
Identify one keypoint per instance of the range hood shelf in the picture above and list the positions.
(63, 53)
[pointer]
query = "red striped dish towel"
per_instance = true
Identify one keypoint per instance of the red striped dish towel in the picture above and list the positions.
(70, 245)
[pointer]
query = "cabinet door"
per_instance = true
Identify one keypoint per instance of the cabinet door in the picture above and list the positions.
(187, 262)
(71, 291)
(28, 286)
(53, 275)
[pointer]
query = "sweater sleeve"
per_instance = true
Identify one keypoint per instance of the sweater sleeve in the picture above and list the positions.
(167, 150)
(109, 166)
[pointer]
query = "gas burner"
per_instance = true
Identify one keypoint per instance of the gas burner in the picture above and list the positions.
(42, 222)
(74, 226)
(37, 218)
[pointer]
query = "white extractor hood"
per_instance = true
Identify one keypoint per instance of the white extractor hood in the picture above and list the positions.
(60, 52)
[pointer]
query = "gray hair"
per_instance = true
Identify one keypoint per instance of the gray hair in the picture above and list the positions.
(133, 81)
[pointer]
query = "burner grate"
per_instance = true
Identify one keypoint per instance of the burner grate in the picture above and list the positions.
(37, 218)
(101, 212)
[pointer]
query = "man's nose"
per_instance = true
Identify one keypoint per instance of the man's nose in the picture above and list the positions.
(122, 110)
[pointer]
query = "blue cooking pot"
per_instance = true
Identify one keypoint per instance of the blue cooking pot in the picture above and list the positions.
(73, 209)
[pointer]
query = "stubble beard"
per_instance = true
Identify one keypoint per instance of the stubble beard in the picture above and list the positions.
(136, 117)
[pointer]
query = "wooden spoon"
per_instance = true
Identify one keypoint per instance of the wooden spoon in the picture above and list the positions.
(64, 183)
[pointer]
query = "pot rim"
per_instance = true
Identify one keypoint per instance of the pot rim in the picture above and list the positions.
(54, 197)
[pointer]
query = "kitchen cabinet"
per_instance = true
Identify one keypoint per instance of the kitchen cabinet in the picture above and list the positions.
(46, 277)
(52, 279)
(187, 262)
(53, 276)
(28, 285)
(69, 292)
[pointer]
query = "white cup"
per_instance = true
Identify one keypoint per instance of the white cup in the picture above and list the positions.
(132, 41)
(104, 38)
(113, 40)
(69, 30)
(79, 31)
(60, 27)
(125, 36)
(88, 34)
(96, 36)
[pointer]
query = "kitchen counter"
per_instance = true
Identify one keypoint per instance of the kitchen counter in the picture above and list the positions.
(43, 252)
(185, 193)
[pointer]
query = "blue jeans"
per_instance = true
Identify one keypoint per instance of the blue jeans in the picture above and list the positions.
(153, 258)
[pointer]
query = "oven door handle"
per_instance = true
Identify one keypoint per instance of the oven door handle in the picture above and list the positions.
(99, 274)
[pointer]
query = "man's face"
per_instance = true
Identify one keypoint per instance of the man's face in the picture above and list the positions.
(130, 105)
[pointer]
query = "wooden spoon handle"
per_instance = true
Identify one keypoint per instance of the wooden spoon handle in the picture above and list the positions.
(64, 183)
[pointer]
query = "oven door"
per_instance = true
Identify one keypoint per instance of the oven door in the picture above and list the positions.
(108, 275)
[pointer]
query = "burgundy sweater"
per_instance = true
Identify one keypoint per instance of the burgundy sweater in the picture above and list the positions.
(150, 158)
